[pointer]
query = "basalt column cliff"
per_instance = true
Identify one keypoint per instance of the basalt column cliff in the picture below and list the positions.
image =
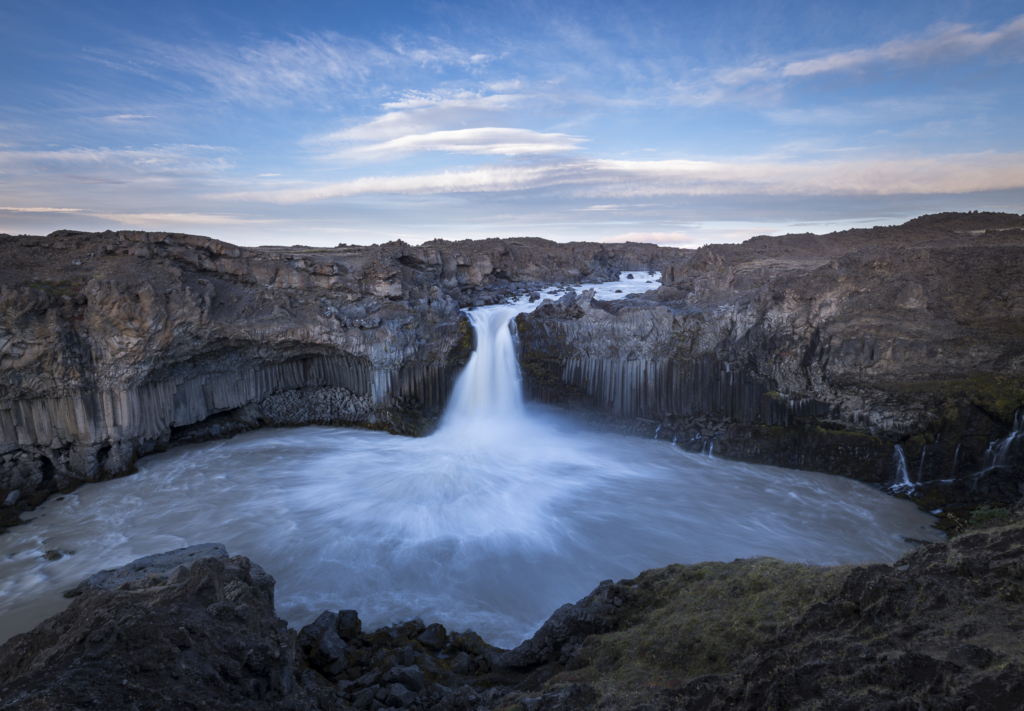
(114, 345)
(893, 355)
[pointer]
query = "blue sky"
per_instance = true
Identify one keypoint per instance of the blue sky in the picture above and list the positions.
(679, 123)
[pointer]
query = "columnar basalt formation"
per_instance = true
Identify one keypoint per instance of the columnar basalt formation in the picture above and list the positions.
(114, 344)
(819, 352)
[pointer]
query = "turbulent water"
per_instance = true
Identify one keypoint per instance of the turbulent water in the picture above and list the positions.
(504, 514)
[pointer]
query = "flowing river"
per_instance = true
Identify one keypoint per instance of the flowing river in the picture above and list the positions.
(504, 514)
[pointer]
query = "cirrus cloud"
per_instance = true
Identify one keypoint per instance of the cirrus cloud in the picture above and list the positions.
(949, 42)
(951, 174)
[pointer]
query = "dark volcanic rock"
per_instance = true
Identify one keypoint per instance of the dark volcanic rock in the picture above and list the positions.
(815, 352)
(209, 641)
(116, 344)
(559, 638)
(939, 629)
(151, 569)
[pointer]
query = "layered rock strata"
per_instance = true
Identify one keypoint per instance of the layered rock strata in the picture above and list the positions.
(113, 345)
(815, 352)
(939, 629)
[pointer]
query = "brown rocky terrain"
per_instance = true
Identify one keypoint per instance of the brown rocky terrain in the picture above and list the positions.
(939, 629)
(114, 345)
(817, 352)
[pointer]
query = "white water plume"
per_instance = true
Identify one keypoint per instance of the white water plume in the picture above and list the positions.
(489, 390)
(503, 515)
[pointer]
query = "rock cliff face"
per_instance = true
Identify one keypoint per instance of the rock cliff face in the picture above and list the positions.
(818, 352)
(113, 345)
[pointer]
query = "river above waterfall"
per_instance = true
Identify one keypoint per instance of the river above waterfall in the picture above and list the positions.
(507, 512)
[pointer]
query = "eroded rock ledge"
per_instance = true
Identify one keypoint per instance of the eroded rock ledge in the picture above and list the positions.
(116, 344)
(816, 352)
(939, 629)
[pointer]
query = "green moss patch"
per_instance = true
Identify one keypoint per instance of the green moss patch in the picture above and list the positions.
(58, 288)
(700, 619)
(1000, 395)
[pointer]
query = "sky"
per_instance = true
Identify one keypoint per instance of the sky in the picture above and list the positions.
(681, 123)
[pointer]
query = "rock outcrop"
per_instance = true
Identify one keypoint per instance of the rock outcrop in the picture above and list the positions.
(201, 636)
(114, 345)
(815, 352)
(939, 629)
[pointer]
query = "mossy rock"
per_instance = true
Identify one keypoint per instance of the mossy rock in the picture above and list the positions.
(999, 395)
(988, 514)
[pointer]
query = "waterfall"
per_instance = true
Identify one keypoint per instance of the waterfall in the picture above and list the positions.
(489, 391)
(956, 455)
(487, 399)
(656, 431)
(902, 475)
(1000, 452)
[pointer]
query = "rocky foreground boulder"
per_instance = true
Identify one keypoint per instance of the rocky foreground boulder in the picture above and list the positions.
(941, 629)
(205, 636)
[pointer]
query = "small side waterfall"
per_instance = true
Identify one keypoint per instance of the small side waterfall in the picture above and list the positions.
(1001, 452)
(903, 482)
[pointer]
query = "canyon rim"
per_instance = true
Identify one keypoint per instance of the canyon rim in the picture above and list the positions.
(893, 356)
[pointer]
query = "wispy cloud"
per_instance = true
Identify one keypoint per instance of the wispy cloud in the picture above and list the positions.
(765, 79)
(675, 239)
(953, 174)
(158, 219)
(276, 70)
(299, 68)
(40, 209)
(182, 158)
(946, 43)
(422, 112)
(436, 52)
(481, 141)
(126, 118)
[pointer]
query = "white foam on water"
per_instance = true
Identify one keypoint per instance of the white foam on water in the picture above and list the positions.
(503, 515)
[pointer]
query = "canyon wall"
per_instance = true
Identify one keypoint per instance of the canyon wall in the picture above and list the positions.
(116, 344)
(816, 352)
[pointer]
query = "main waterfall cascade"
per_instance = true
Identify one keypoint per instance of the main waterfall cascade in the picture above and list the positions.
(489, 391)
(507, 512)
